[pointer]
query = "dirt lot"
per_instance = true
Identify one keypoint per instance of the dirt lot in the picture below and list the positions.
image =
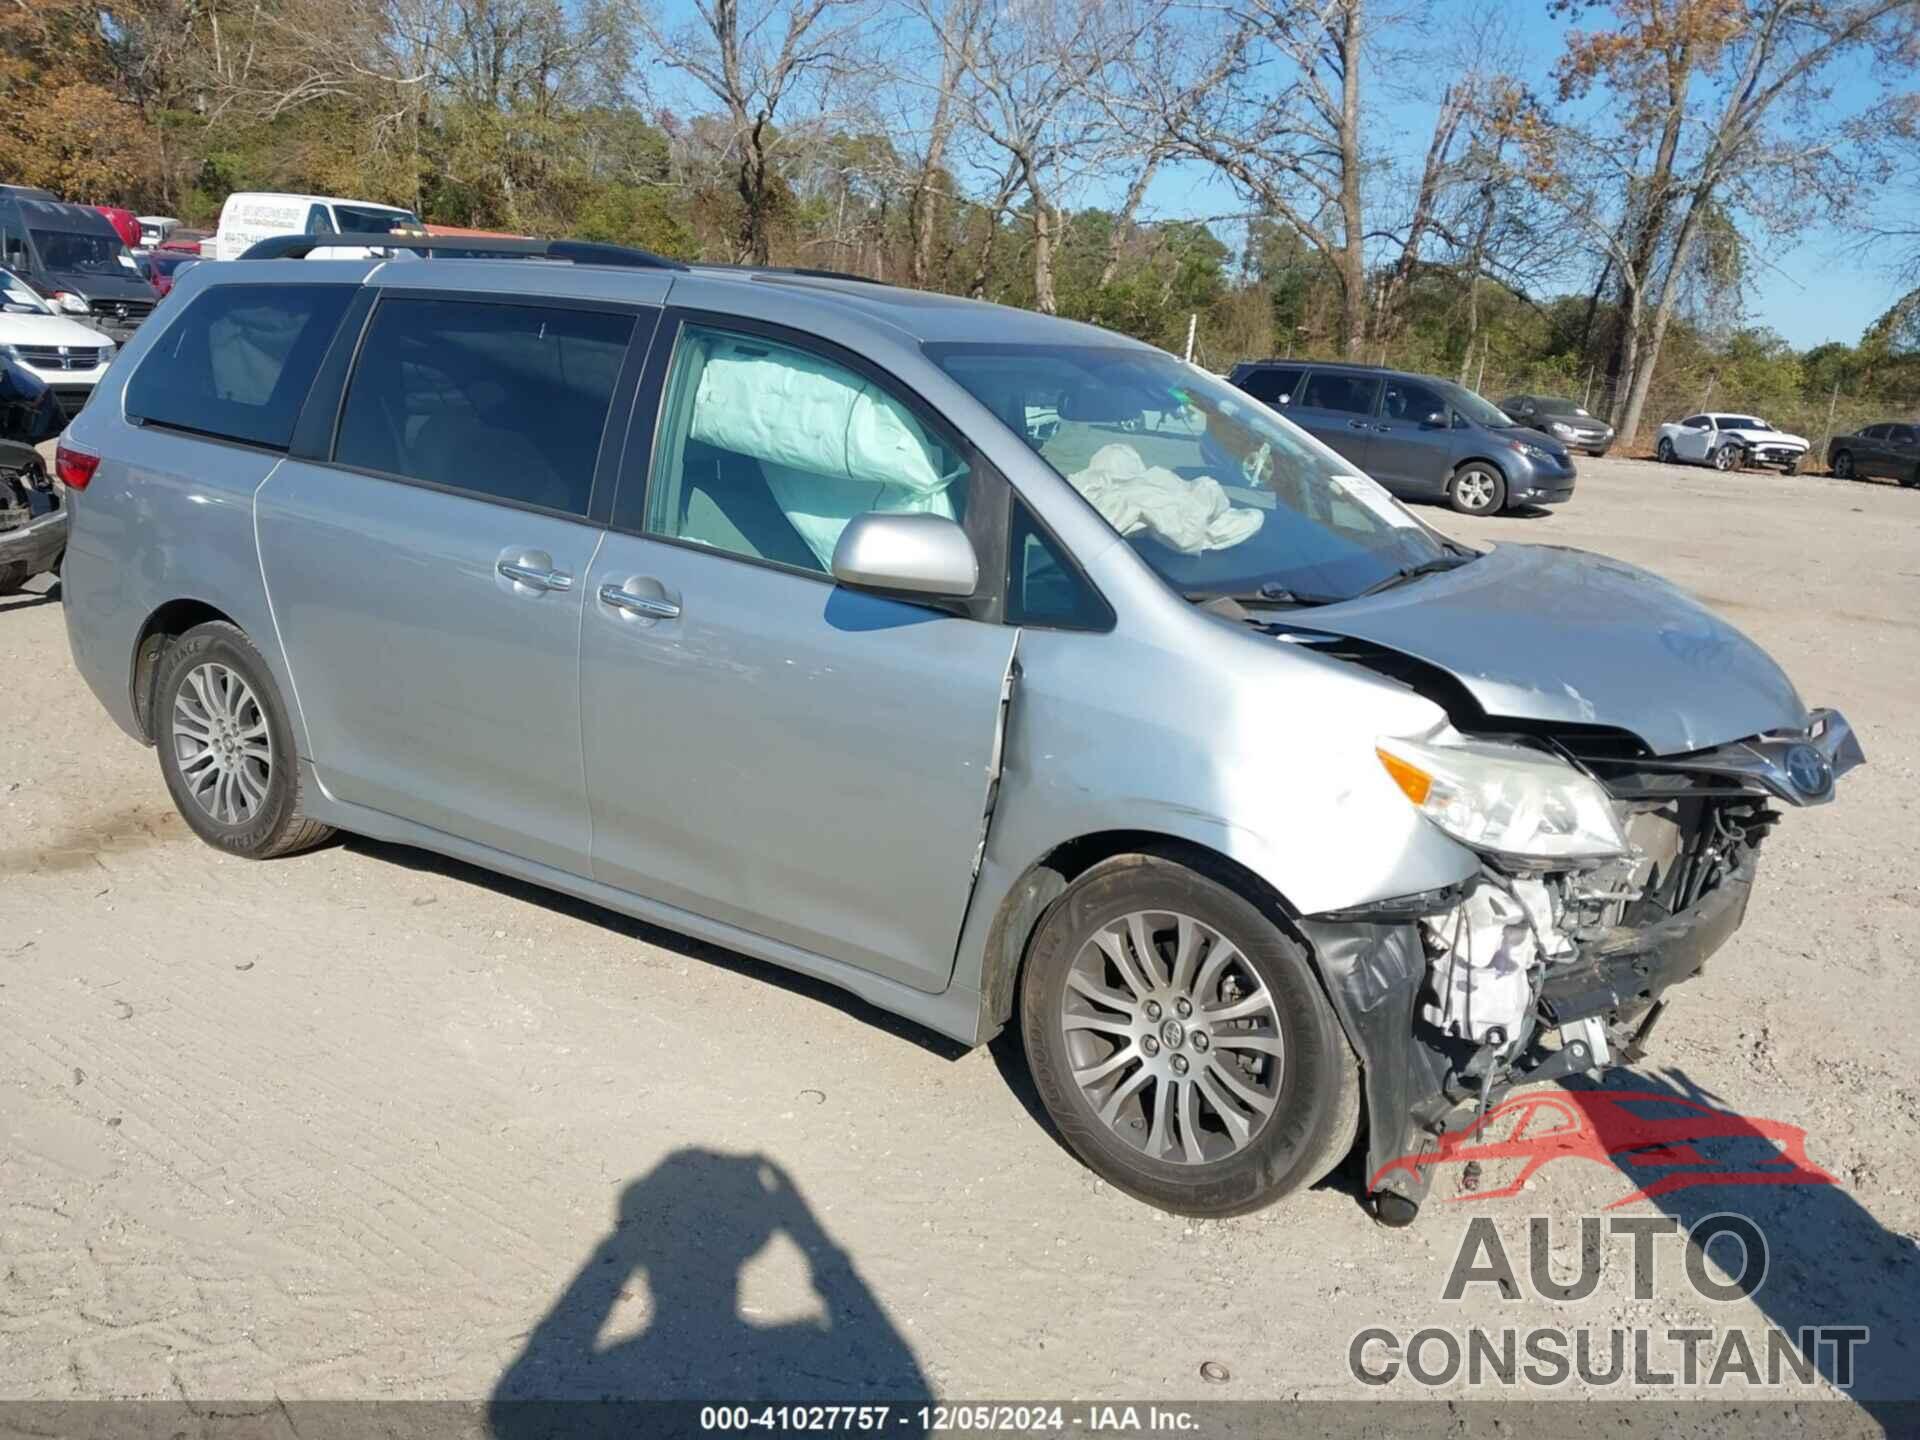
(369, 1123)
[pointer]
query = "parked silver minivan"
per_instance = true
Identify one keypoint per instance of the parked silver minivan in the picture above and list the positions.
(995, 668)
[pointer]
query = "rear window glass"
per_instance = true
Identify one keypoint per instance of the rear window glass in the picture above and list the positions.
(238, 361)
(1348, 394)
(505, 401)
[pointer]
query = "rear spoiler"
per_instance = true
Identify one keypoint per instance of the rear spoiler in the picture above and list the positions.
(462, 247)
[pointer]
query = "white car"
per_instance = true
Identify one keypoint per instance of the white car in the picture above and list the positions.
(1728, 442)
(70, 357)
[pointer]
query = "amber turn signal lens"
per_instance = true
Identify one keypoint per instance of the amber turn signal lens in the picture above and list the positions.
(1414, 783)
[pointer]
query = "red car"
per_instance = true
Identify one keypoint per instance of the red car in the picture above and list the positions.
(125, 223)
(162, 265)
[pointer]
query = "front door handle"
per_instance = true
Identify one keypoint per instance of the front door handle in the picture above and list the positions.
(537, 576)
(654, 607)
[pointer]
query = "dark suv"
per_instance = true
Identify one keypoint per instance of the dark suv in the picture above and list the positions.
(1422, 437)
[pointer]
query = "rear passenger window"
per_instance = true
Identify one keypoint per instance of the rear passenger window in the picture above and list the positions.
(766, 451)
(1347, 394)
(238, 363)
(1272, 386)
(505, 401)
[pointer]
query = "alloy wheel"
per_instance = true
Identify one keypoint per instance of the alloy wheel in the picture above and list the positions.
(1843, 465)
(1723, 458)
(221, 743)
(1475, 489)
(1173, 1038)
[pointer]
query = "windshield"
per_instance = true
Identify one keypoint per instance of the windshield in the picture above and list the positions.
(1742, 422)
(83, 250)
(19, 298)
(1474, 407)
(366, 220)
(1212, 489)
(1552, 406)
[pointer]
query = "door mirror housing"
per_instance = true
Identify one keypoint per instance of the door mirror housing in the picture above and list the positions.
(917, 554)
(1437, 420)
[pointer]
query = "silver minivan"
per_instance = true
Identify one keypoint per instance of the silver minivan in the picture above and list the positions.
(998, 669)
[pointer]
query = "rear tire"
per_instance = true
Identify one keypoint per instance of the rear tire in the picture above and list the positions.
(1843, 465)
(226, 746)
(1663, 452)
(1204, 1073)
(1477, 489)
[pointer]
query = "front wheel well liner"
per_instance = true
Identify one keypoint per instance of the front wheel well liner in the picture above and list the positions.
(163, 627)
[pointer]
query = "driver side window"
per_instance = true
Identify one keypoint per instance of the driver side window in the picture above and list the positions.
(766, 451)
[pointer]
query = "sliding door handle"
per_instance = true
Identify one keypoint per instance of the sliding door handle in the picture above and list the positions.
(539, 577)
(654, 607)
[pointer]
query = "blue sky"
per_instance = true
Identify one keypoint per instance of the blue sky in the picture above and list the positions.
(1810, 292)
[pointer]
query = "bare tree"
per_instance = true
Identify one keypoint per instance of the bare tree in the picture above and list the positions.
(1025, 94)
(755, 60)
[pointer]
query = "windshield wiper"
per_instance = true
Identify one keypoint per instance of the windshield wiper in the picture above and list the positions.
(1270, 594)
(1414, 572)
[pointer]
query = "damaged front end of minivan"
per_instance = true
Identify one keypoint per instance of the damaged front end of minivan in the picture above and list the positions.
(1607, 877)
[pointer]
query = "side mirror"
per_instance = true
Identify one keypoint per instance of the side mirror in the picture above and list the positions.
(1286, 399)
(1437, 420)
(919, 554)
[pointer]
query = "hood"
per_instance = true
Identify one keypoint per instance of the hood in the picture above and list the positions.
(48, 330)
(1584, 424)
(97, 284)
(1769, 437)
(1542, 633)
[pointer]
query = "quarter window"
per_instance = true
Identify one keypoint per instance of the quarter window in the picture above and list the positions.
(505, 401)
(238, 363)
(1343, 394)
(766, 451)
(1043, 586)
(1900, 434)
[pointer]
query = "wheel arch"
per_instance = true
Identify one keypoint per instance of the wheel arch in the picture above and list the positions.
(1478, 458)
(157, 635)
(1028, 899)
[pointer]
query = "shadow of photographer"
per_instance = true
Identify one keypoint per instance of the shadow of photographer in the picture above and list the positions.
(687, 1230)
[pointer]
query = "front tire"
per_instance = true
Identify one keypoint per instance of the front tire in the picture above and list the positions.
(226, 746)
(1477, 489)
(12, 577)
(1843, 465)
(1726, 458)
(1663, 452)
(1181, 1043)
(1792, 467)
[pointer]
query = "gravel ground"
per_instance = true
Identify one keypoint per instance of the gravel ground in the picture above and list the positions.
(367, 1123)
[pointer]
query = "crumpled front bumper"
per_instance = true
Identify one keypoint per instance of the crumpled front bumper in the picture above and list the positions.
(38, 543)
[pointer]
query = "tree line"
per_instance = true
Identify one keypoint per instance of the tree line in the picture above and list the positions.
(1591, 218)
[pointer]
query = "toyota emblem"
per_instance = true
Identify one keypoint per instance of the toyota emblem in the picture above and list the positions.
(1808, 771)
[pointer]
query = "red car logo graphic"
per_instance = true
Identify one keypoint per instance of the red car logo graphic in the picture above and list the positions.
(1602, 1125)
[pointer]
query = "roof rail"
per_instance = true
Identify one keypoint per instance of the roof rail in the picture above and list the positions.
(461, 247)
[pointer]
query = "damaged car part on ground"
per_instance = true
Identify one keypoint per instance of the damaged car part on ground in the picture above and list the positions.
(997, 669)
(33, 523)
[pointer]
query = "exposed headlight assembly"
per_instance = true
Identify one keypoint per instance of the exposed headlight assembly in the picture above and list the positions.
(1560, 427)
(1506, 800)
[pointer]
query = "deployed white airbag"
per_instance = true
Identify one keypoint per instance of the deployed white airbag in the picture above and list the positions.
(831, 445)
(1191, 516)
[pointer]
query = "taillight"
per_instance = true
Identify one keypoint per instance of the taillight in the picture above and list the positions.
(74, 467)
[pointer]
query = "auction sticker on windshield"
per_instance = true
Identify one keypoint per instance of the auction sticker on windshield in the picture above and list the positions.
(1364, 490)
